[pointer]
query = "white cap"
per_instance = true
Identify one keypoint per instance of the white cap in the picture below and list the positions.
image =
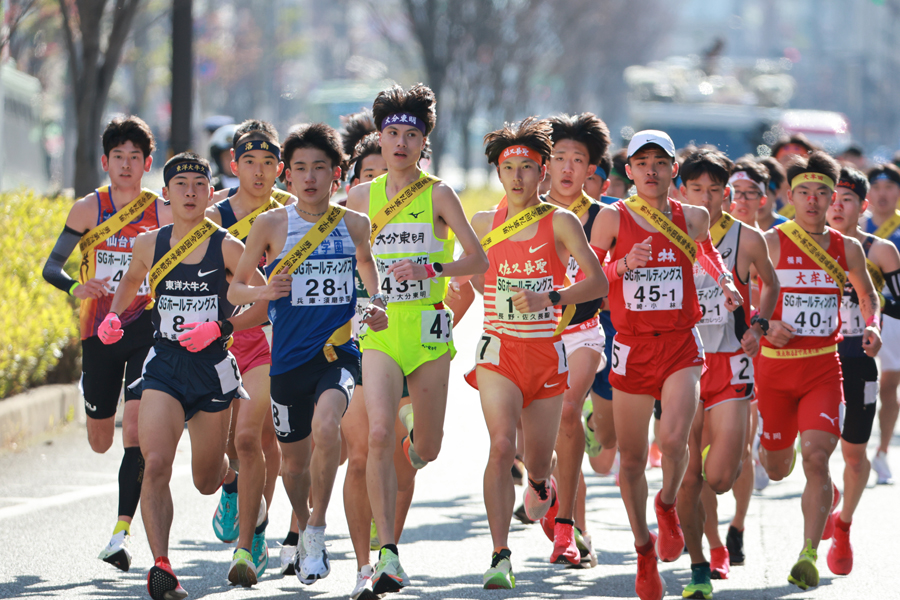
(651, 136)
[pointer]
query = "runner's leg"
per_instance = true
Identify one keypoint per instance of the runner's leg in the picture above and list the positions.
(632, 415)
(326, 432)
(355, 427)
(248, 443)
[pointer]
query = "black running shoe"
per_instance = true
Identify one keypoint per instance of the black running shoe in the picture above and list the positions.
(734, 541)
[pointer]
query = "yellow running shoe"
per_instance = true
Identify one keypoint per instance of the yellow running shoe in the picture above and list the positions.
(804, 574)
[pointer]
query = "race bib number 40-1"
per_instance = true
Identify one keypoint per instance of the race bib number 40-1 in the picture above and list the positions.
(506, 311)
(712, 306)
(113, 264)
(175, 311)
(402, 291)
(654, 288)
(811, 314)
(322, 282)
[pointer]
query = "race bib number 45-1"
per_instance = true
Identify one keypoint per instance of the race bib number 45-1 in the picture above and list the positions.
(113, 264)
(402, 291)
(712, 306)
(175, 311)
(811, 314)
(506, 311)
(653, 288)
(322, 282)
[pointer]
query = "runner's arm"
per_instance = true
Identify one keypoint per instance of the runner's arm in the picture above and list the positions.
(759, 253)
(569, 231)
(869, 303)
(233, 253)
(448, 207)
(360, 227)
(82, 217)
(245, 288)
(213, 214)
(141, 261)
(481, 225)
(53, 271)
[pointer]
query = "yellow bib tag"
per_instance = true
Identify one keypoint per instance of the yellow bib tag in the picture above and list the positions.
(722, 226)
(581, 206)
(399, 202)
(788, 211)
(110, 227)
(280, 196)
(662, 224)
(310, 241)
(241, 229)
(812, 249)
(180, 251)
(512, 226)
(889, 227)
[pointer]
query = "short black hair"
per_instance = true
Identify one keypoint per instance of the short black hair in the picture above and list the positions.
(254, 129)
(314, 135)
(619, 160)
(754, 170)
(889, 170)
(777, 174)
(366, 147)
(859, 184)
(128, 129)
(356, 127)
(712, 162)
(586, 129)
(797, 138)
(530, 131)
(817, 162)
(606, 163)
(418, 101)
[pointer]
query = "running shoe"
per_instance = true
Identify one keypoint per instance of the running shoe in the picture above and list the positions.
(316, 565)
(389, 575)
(116, 552)
(840, 555)
(520, 515)
(548, 521)
(586, 549)
(703, 462)
(299, 556)
(804, 573)
(882, 469)
(374, 542)
(591, 446)
(670, 543)
(760, 477)
(286, 558)
(500, 575)
(537, 501)
(649, 584)
(242, 571)
(829, 522)
(363, 589)
(734, 543)
(260, 549)
(162, 583)
(654, 457)
(719, 563)
(406, 417)
(700, 586)
(518, 471)
(225, 521)
(565, 551)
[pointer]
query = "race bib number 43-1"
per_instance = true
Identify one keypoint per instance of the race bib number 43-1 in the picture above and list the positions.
(113, 264)
(175, 311)
(653, 288)
(712, 306)
(402, 291)
(506, 311)
(322, 282)
(811, 314)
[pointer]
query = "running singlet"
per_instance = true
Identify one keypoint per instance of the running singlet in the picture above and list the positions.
(226, 213)
(409, 235)
(191, 293)
(809, 300)
(584, 311)
(111, 259)
(531, 264)
(721, 330)
(894, 238)
(852, 322)
(323, 296)
(659, 297)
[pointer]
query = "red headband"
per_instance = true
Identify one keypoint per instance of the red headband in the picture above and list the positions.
(520, 151)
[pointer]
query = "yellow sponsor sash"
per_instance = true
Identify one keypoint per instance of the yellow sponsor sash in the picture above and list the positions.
(280, 196)
(512, 226)
(797, 352)
(876, 275)
(109, 228)
(581, 206)
(665, 226)
(788, 211)
(241, 229)
(812, 249)
(190, 242)
(889, 227)
(722, 226)
(399, 202)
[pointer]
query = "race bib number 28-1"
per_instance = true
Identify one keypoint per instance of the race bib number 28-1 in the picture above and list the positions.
(322, 282)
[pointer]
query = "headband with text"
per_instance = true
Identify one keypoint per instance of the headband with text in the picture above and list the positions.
(269, 147)
(520, 151)
(812, 178)
(403, 119)
(184, 167)
(742, 176)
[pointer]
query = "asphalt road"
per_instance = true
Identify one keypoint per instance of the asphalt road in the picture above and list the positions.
(58, 507)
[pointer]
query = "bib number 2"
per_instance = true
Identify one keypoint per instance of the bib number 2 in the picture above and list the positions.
(437, 326)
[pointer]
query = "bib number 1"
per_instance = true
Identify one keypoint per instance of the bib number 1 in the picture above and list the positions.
(437, 326)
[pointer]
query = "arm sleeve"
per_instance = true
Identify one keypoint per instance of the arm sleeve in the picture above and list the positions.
(710, 259)
(893, 283)
(53, 269)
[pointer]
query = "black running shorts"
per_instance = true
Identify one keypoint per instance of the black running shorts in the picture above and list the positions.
(860, 395)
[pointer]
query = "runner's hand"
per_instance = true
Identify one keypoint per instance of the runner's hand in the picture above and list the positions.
(733, 298)
(198, 336)
(640, 254)
(92, 288)
(453, 293)
(750, 342)
(407, 270)
(526, 301)
(110, 330)
(279, 287)
(376, 317)
(871, 341)
(780, 333)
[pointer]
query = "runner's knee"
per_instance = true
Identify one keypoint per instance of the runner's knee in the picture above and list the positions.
(503, 451)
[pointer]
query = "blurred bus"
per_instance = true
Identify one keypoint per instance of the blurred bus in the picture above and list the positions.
(24, 158)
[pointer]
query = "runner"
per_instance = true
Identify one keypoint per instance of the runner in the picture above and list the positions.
(243, 505)
(767, 216)
(657, 350)
(189, 375)
(105, 224)
(860, 371)
(718, 439)
(798, 375)
(579, 143)
(413, 215)
(883, 220)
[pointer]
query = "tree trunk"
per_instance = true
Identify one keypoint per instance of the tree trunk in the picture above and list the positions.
(182, 76)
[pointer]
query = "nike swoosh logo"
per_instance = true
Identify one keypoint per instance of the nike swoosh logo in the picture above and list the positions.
(218, 400)
(416, 215)
(202, 274)
(533, 250)
(548, 385)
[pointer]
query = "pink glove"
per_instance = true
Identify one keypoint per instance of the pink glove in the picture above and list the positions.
(199, 335)
(110, 330)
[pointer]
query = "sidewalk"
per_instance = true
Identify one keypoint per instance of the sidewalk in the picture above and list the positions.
(38, 411)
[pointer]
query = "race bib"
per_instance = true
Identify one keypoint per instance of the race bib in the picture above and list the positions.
(506, 311)
(281, 417)
(741, 370)
(488, 350)
(319, 282)
(175, 311)
(810, 314)
(655, 288)
(572, 269)
(229, 377)
(113, 264)
(852, 322)
(619, 357)
(437, 326)
(562, 361)
(402, 291)
(712, 306)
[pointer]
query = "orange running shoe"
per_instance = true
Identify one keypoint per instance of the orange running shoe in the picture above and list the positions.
(840, 555)
(548, 521)
(719, 563)
(162, 583)
(670, 543)
(829, 523)
(649, 584)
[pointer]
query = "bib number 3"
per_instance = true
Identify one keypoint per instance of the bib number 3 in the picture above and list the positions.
(437, 326)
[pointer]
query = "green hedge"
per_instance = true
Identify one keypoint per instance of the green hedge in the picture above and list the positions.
(37, 321)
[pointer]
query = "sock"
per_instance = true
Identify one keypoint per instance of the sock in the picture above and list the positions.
(565, 521)
(262, 527)
(500, 549)
(314, 529)
(292, 539)
(699, 565)
(126, 527)
(131, 475)
(245, 550)
(665, 507)
(392, 548)
(231, 488)
(648, 547)
(839, 523)
(162, 560)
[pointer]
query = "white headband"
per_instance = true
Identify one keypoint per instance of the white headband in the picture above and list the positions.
(742, 176)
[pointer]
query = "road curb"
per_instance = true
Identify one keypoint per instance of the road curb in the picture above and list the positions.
(38, 411)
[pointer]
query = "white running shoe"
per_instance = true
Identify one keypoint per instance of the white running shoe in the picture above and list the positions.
(363, 589)
(537, 504)
(286, 558)
(760, 477)
(116, 552)
(316, 565)
(882, 469)
(299, 556)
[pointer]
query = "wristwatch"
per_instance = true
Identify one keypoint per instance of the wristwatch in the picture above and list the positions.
(763, 323)
(555, 297)
(378, 296)
(438, 268)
